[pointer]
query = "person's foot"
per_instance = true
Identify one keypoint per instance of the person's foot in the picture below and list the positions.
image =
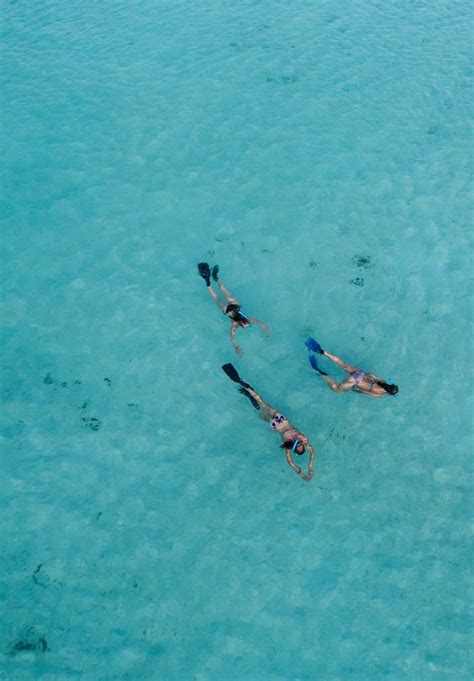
(205, 272)
(215, 272)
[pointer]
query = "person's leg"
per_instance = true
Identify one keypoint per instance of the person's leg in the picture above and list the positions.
(254, 402)
(225, 292)
(261, 401)
(331, 383)
(340, 363)
(216, 298)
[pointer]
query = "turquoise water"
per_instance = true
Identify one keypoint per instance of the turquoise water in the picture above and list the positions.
(321, 154)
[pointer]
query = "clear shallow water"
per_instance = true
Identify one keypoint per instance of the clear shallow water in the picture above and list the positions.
(167, 539)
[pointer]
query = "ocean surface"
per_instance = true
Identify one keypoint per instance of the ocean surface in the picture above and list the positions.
(321, 154)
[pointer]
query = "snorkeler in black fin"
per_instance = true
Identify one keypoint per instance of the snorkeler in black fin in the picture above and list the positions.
(233, 374)
(293, 440)
(205, 272)
(230, 306)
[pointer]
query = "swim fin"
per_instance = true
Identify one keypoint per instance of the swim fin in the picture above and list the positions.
(205, 272)
(314, 364)
(215, 272)
(252, 399)
(314, 346)
(233, 374)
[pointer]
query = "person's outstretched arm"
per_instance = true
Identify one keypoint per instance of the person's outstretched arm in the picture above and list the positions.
(233, 330)
(312, 455)
(369, 393)
(377, 378)
(296, 468)
(291, 463)
(263, 326)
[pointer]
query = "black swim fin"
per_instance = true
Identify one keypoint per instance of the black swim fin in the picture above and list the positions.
(215, 272)
(252, 399)
(205, 272)
(233, 374)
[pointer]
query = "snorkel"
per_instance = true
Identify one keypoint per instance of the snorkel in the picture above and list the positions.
(241, 317)
(296, 443)
(293, 446)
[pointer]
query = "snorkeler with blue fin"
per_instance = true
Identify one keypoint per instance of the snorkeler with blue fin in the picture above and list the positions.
(357, 379)
(294, 442)
(230, 306)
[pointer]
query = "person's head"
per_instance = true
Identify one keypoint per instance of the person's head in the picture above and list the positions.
(296, 446)
(389, 388)
(233, 311)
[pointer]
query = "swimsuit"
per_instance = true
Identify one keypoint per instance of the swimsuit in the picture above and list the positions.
(277, 421)
(233, 312)
(359, 375)
(232, 308)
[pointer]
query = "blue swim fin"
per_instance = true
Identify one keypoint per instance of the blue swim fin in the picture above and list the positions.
(314, 364)
(313, 346)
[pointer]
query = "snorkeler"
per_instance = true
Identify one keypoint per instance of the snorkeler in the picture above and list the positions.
(294, 442)
(230, 306)
(358, 380)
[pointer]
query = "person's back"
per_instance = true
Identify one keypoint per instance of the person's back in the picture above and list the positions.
(357, 379)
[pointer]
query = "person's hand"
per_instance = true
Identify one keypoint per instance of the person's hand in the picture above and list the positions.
(265, 330)
(239, 351)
